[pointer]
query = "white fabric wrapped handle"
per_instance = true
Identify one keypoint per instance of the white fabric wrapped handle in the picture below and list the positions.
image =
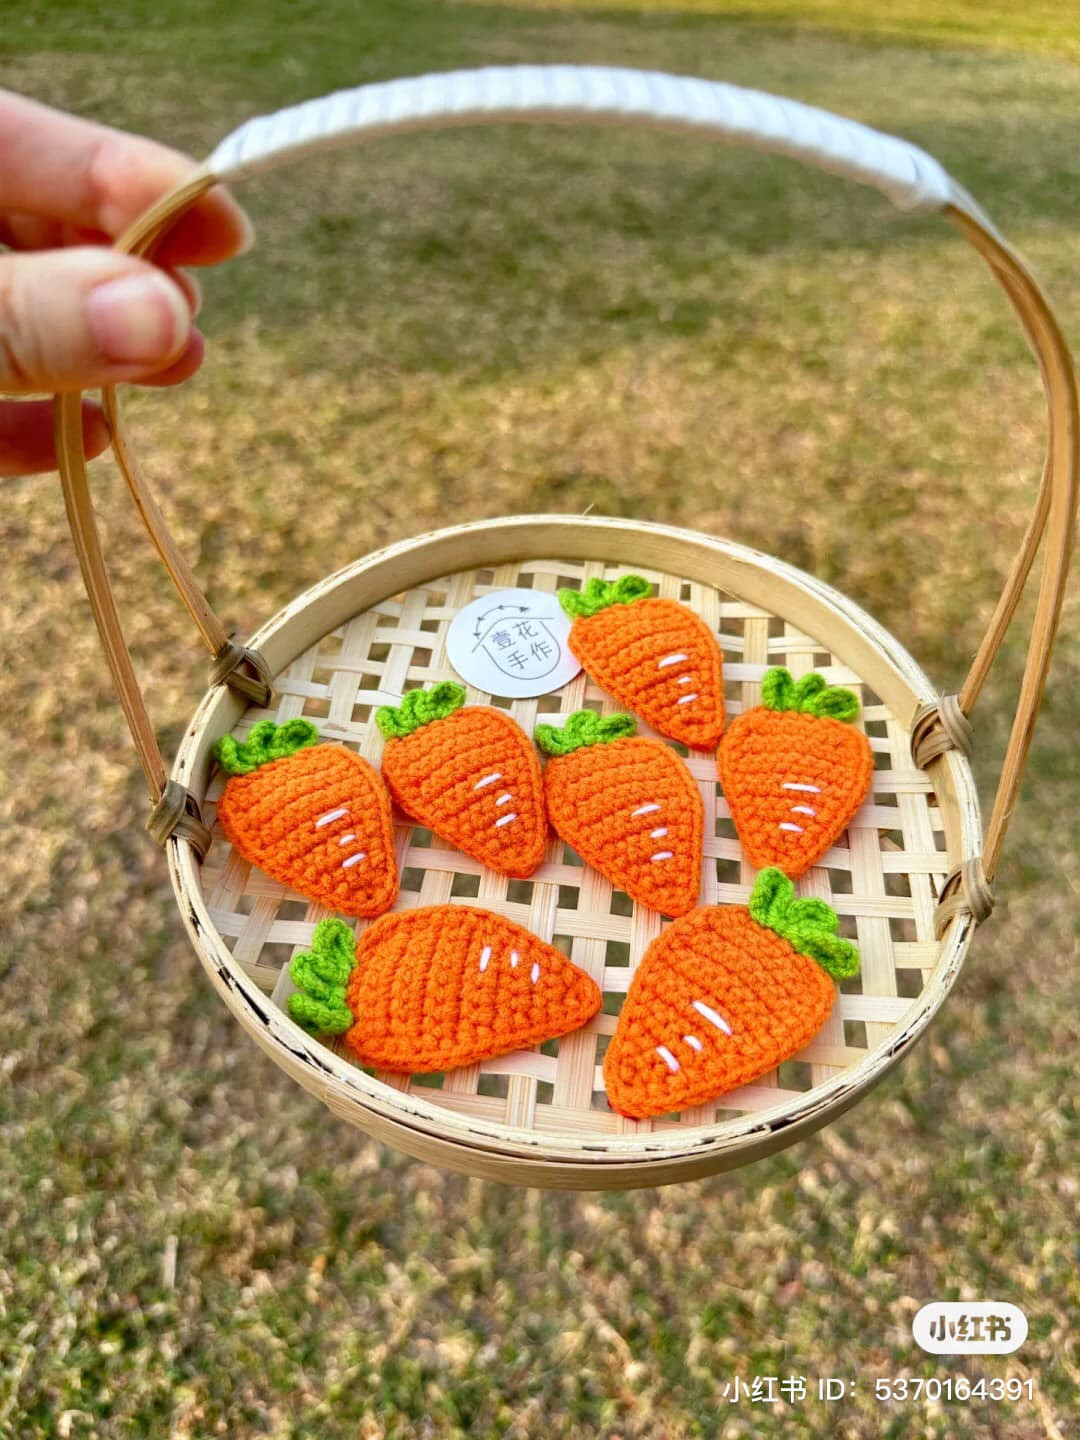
(910, 177)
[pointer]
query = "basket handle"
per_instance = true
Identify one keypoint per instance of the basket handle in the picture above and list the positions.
(910, 177)
(907, 175)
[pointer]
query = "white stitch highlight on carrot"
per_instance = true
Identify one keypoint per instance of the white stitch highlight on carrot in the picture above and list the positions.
(807, 789)
(534, 973)
(671, 660)
(686, 699)
(692, 1041)
(790, 825)
(644, 810)
(488, 780)
(713, 1017)
(354, 859)
(657, 834)
(684, 680)
(485, 956)
(802, 810)
(330, 815)
(662, 855)
(514, 958)
(668, 1058)
(505, 819)
(504, 797)
(346, 838)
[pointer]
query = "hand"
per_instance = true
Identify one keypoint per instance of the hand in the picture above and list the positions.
(73, 314)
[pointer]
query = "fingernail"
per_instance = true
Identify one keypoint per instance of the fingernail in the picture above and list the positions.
(247, 233)
(195, 297)
(139, 319)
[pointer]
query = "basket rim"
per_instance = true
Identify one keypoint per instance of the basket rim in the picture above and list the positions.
(328, 1072)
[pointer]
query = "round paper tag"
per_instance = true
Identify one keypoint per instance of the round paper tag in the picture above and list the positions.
(512, 643)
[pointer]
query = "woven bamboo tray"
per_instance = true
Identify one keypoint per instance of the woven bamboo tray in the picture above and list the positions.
(910, 879)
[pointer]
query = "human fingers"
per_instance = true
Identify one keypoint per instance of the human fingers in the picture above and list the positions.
(29, 232)
(80, 318)
(60, 168)
(26, 435)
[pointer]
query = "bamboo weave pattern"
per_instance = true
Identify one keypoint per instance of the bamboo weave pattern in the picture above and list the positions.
(882, 878)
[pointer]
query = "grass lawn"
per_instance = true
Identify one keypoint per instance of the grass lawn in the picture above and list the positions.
(483, 323)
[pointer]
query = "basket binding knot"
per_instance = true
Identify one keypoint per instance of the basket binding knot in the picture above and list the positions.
(225, 669)
(966, 892)
(177, 813)
(936, 728)
(940, 727)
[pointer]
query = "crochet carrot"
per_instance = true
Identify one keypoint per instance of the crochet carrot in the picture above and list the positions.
(436, 988)
(723, 996)
(315, 817)
(794, 770)
(470, 774)
(628, 806)
(655, 656)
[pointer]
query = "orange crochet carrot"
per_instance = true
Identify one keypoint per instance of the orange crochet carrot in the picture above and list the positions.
(470, 774)
(628, 806)
(655, 656)
(723, 996)
(794, 770)
(436, 988)
(314, 817)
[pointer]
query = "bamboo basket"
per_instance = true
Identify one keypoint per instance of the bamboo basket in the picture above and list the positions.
(910, 879)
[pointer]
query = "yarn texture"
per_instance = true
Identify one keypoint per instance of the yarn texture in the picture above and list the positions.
(723, 996)
(322, 977)
(655, 656)
(439, 987)
(314, 816)
(469, 773)
(266, 742)
(628, 806)
(795, 770)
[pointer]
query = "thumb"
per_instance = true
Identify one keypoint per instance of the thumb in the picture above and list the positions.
(79, 318)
